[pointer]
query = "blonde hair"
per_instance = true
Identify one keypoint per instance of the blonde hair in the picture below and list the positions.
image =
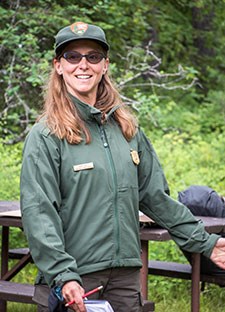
(62, 117)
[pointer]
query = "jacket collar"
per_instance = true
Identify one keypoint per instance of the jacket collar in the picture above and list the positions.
(87, 111)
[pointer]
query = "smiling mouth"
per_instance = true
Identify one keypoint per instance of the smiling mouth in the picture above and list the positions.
(83, 76)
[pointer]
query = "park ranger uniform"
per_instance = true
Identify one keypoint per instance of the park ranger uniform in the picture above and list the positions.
(80, 202)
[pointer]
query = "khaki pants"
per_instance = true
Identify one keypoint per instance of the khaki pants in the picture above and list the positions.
(121, 289)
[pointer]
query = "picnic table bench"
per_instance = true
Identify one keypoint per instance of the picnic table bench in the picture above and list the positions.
(16, 292)
(182, 271)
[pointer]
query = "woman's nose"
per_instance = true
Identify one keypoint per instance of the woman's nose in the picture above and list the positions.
(83, 63)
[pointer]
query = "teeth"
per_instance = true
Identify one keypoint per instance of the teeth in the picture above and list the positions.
(83, 76)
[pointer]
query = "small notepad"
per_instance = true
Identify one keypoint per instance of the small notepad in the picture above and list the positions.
(98, 306)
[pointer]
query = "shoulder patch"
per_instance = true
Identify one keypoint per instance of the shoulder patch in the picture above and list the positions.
(46, 131)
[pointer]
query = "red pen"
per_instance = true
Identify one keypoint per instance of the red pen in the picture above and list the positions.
(85, 295)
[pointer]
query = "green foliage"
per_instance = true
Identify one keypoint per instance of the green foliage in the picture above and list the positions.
(183, 32)
(192, 32)
(10, 162)
(19, 307)
(196, 162)
(178, 298)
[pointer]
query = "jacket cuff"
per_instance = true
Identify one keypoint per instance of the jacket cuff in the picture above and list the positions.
(213, 238)
(65, 277)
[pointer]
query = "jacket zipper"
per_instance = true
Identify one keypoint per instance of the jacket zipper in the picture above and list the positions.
(114, 178)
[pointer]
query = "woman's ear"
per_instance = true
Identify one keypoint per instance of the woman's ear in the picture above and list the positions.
(57, 66)
(106, 66)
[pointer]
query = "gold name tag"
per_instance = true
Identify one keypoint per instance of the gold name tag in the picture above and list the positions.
(85, 166)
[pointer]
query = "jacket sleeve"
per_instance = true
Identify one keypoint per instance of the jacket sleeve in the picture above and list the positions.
(40, 202)
(155, 202)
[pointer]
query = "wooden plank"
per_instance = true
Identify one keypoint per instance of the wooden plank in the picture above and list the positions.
(9, 205)
(182, 271)
(154, 234)
(169, 269)
(18, 253)
(16, 292)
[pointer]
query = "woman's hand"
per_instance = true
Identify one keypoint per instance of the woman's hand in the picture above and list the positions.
(73, 291)
(218, 253)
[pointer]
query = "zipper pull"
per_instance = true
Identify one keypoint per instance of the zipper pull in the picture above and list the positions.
(103, 136)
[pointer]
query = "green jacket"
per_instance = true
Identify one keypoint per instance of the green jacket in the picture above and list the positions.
(80, 202)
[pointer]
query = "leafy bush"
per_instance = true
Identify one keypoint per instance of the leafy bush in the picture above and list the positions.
(10, 162)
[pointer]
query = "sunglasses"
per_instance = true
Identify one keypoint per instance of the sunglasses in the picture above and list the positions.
(75, 57)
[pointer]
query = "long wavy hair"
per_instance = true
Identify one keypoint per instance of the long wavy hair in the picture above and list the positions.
(62, 117)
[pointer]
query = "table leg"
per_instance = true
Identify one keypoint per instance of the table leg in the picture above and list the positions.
(17, 268)
(5, 250)
(144, 270)
(4, 259)
(195, 283)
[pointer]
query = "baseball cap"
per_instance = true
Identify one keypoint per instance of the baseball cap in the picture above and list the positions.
(78, 31)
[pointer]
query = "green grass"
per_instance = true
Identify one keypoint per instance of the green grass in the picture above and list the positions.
(19, 307)
(172, 295)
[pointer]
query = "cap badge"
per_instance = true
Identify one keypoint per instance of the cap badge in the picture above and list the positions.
(79, 28)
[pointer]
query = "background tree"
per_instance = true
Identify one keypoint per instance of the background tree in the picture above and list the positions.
(187, 33)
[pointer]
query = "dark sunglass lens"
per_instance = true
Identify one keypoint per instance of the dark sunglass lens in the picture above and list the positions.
(95, 58)
(73, 57)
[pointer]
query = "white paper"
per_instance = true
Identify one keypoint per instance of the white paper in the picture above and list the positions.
(98, 306)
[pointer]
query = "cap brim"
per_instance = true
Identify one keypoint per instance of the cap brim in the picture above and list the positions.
(63, 44)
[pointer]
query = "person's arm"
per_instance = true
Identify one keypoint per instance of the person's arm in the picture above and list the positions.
(40, 205)
(184, 228)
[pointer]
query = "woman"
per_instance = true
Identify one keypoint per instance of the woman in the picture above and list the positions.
(87, 170)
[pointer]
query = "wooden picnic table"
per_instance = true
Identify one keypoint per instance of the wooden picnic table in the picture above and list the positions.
(7, 221)
(147, 234)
